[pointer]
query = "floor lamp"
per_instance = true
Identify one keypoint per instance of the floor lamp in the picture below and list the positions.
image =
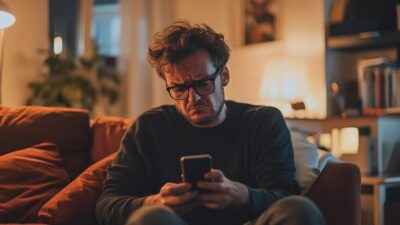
(6, 19)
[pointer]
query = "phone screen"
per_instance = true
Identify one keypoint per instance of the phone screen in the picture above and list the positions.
(194, 167)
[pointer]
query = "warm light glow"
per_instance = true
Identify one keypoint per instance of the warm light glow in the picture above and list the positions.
(284, 78)
(336, 142)
(286, 109)
(311, 103)
(6, 18)
(57, 45)
(325, 140)
(349, 140)
(343, 141)
(284, 81)
(312, 139)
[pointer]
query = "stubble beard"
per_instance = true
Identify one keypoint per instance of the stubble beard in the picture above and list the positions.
(212, 117)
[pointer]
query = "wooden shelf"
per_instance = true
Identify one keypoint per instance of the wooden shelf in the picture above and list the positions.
(393, 111)
(381, 112)
(365, 40)
(381, 179)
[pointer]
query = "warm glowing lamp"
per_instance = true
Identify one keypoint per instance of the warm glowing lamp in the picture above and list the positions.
(325, 140)
(6, 17)
(349, 140)
(57, 45)
(343, 141)
(356, 146)
(284, 81)
(6, 20)
(335, 144)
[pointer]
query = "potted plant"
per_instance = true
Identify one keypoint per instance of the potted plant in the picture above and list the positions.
(78, 83)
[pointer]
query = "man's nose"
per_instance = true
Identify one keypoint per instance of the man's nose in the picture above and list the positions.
(192, 95)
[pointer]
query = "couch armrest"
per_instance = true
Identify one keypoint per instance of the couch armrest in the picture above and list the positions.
(337, 193)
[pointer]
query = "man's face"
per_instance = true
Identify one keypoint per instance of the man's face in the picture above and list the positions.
(198, 110)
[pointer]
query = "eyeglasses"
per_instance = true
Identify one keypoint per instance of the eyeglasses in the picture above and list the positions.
(202, 87)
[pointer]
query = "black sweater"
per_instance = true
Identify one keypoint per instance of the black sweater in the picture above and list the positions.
(252, 146)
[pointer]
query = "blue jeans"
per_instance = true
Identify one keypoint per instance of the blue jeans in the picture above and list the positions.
(293, 210)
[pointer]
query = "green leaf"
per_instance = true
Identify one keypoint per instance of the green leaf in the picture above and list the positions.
(68, 82)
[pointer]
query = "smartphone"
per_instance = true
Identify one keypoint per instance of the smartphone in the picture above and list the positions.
(194, 167)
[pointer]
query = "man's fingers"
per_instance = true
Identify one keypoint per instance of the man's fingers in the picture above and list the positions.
(173, 200)
(174, 189)
(214, 201)
(214, 175)
(213, 198)
(212, 186)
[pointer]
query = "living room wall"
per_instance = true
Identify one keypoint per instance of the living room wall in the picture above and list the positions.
(300, 36)
(300, 28)
(22, 63)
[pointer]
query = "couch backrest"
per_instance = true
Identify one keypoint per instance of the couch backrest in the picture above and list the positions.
(107, 135)
(26, 126)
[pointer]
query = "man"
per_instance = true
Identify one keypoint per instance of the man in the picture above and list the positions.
(250, 147)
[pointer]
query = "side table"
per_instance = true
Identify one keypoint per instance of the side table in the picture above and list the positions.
(377, 192)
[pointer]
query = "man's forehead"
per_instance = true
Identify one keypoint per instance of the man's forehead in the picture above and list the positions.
(183, 72)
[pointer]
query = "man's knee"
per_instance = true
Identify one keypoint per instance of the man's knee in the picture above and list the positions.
(293, 210)
(151, 215)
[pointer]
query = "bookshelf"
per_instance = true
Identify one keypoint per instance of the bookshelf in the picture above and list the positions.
(365, 40)
(371, 31)
(379, 86)
(358, 31)
(368, 90)
(380, 199)
(342, 69)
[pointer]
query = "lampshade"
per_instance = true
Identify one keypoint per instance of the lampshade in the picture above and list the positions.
(344, 140)
(284, 81)
(349, 140)
(6, 17)
(283, 78)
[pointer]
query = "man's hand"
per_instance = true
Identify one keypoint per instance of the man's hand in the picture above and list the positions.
(176, 196)
(224, 192)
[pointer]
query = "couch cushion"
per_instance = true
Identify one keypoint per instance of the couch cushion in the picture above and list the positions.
(107, 135)
(29, 178)
(69, 128)
(324, 157)
(76, 203)
(306, 161)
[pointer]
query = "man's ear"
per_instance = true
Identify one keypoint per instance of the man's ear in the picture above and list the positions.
(225, 76)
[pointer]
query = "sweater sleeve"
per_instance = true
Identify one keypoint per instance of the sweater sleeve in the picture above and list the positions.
(274, 169)
(125, 184)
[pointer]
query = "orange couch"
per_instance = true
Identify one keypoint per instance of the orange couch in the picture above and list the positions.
(53, 162)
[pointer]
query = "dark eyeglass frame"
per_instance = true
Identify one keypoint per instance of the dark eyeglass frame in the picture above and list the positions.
(193, 85)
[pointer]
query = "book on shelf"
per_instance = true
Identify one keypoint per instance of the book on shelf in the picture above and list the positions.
(379, 86)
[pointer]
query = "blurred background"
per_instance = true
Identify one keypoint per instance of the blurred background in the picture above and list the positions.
(109, 39)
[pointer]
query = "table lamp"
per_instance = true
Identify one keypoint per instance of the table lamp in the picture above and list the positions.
(357, 146)
(6, 19)
(284, 82)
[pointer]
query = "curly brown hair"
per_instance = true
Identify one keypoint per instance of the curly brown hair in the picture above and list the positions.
(182, 39)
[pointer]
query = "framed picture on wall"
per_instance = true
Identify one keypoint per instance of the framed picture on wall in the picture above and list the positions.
(260, 21)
